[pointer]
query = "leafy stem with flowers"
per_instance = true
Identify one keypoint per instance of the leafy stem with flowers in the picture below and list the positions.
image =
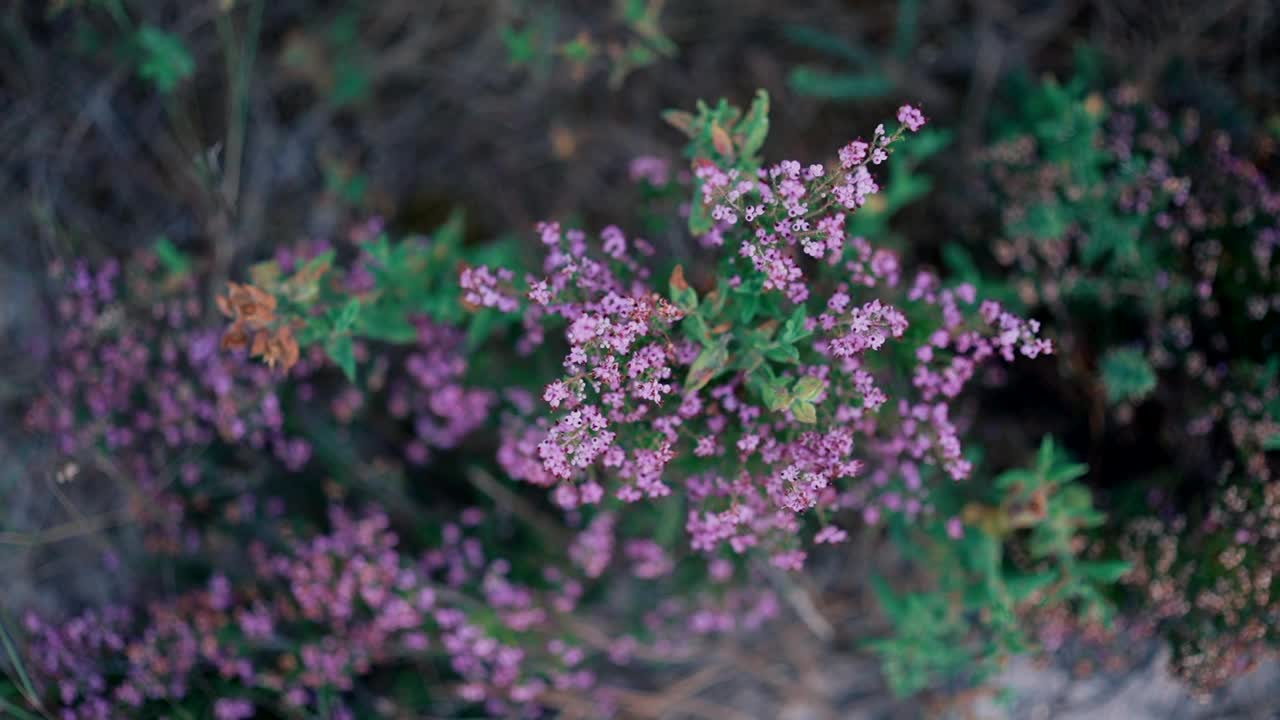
(789, 380)
(770, 393)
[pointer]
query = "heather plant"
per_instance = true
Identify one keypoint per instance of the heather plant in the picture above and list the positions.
(697, 427)
(774, 402)
(392, 475)
(759, 403)
(1011, 555)
(140, 395)
(397, 311)
(805, 380)
(307, 617)
(321, 614)
(726, 132)
(387, 295)
(1150, 240)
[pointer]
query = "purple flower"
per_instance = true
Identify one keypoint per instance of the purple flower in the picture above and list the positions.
(910, 117)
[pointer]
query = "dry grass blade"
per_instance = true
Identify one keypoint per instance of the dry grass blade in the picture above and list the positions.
(19, 667)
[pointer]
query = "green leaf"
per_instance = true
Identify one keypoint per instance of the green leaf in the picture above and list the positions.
(984, 553)
(341, 349)
(380, 250)
(635, 12)
(1044, 221)
(710, 362)
(386, 322)
(521, 45)
(750, 361)
(794, 328)
(905, 188)
(351, 85)
(482, 324)
(304, 284)
(783, 353)
(349, 186)
(670, 525)
(807, 388)
(696, 329)
(1127, 376)
(316, 329)
(748, 304)
(754, 127)
(1016, 476)
(1272, 443)
(15, 711)
(346, 316)
(960, 262)
(165, 61)
(775, 398)
(1045, 456)
(1066, 472)
(805, 412)
(174, 260)
(684, 296)
(578, 50)
(1022, 587)
(1103, 571)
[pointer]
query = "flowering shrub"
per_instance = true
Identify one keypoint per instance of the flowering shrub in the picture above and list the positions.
(1151, 242)
(809, 381)
(297, 632)
(393, 294)
(698, 427)
(754, 395)
(139, 393)
(305, 616)
(1014, 553)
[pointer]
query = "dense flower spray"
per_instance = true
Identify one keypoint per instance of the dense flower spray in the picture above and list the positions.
(795, 380)
(778, 393)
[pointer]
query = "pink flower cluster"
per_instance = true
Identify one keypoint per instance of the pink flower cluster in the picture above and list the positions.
(483, 288)
(432, 389)
(138, 387)
(315, 618)
(642, 411)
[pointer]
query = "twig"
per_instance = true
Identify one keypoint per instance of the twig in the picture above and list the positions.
(685, 690)
(67, 530)
(800, 601)
(600, 640)
(518, 506)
